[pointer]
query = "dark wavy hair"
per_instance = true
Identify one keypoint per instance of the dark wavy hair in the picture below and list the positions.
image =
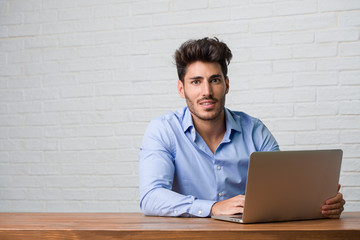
(205, 50)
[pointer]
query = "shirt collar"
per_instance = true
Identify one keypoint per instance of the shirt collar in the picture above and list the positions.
(231, 122)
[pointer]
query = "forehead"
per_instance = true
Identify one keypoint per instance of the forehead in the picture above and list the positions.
(204, 69)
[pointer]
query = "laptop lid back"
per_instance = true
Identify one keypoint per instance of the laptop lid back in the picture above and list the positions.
(290, 185)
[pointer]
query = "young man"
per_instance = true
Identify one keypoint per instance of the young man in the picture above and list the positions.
(194, 162)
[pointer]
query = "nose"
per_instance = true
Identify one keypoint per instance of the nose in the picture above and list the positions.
(206, 89)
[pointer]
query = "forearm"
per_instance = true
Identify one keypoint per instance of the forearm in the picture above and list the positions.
(164, 202)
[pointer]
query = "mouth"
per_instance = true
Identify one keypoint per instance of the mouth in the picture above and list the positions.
(207, 104)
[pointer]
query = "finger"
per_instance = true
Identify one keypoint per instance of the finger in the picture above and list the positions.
(335, 199)
(333, 213)
(339, 186)
(334, 206)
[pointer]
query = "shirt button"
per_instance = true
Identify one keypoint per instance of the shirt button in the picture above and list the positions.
(175, 212)
(193, 131)
(218, 167)
(200, 212)
(220, 194)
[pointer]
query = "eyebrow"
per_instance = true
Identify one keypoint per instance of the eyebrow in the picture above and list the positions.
(200, 77)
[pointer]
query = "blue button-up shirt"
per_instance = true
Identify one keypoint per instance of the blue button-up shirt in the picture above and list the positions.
(179, 174)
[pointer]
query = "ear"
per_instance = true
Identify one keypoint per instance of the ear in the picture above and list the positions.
(181, 88)
(227, 84)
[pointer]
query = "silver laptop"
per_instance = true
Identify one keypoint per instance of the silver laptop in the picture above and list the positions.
(288, 185)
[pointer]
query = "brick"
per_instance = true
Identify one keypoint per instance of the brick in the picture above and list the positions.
(350, 49)
(315, 79)
(294, 66)
(293, 38)
(251, 11)
(24, 30)
(350, 63)
(350, 108)
(43, 169)
(63, 206)
(313, 51)
(350, 179)
(11, 96)
(119, 142)
(294, 95)
(338, 93)
(4, 157)
(11, 19)
(272, 53)
(260, 96)
(40, 42)
(351, 194)
(150, 7)
(75, 13)
(26, 132)
(133, 22)
(100, 206)
(61, 132)
(25, 107)
(27, 206)
(350, 165)
(337, 35)
(44, 194)
(349, 78)
(77, 91)
(295, 7)
(26, 157)
(227, 3)
(114, 89)
(96, 131)
(40, 145)
(315, 109)
(61, 181)
(28, 181)
(318, 21)
(266, 26)
(77, 144)
(53, 4)
(13, 194)
(24, 6)
(350, 136)
(11, 169)
(294, 125)
(315, 138)
(243, 41)
(337, 123)
(41, 94)
(334, 5)
(196, 16)
(113, 10)
(349, 18)
(24, 82)
(44, 16)
(252, 68)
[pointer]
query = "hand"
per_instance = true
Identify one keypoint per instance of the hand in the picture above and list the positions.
(333, 207)
(229, 206)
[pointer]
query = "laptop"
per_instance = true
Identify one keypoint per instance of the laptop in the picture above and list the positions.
(288, 185)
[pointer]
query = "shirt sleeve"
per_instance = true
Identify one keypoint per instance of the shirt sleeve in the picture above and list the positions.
(156, 173)
(266, 142)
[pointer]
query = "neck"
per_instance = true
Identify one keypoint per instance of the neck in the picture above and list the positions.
(212, 131)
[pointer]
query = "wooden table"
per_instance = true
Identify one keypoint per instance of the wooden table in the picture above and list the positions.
(136, 226)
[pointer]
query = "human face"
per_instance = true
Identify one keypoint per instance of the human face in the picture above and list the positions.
(204, 89)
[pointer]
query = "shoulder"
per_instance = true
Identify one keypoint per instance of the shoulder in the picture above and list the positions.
(244, 119)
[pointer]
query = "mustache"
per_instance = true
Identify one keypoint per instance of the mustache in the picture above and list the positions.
(207, 98)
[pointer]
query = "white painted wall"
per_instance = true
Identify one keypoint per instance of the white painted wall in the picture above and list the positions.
(81, 79)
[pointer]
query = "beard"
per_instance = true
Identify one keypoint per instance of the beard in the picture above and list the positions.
(214, 113)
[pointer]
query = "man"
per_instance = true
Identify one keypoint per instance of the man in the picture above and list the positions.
(194, 162)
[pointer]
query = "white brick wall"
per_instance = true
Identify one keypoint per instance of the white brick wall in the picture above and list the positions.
(80, 80)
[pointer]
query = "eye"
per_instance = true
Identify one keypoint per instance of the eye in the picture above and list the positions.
(195, 82)
(215, 80)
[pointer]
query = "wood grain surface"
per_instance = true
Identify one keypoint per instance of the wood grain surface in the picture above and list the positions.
(136, 226)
